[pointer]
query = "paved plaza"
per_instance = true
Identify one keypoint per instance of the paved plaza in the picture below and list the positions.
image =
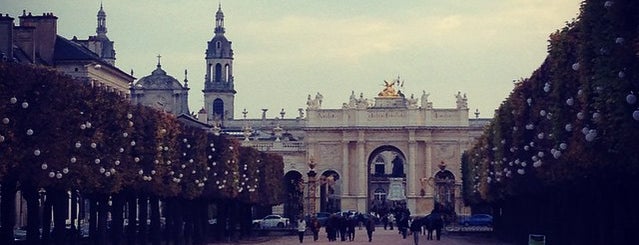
(380, 236)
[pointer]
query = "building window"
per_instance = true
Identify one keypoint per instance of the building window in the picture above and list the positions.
(379, 166)
(380, 194)
(218, 108)
(218, 73)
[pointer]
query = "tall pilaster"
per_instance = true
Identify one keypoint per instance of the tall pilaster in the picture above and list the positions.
(345, 170)
(429, 165)
(363, 173)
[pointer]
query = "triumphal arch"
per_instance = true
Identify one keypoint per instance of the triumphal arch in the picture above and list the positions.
(393, 148)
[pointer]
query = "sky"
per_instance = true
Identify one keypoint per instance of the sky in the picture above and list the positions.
(285, 50)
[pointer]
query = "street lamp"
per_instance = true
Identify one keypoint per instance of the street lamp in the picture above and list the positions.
(311, 186)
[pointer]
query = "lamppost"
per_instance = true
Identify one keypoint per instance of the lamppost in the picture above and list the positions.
(311, 187)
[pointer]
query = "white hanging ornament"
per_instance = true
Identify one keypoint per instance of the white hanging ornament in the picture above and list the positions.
(619, 40)
(29, 132)
(36, 152)
(83, 126)
(563, 146)
(58, 175)
(94, 145)
(568, 127)
(51, 174)
(136, 159)
(608, 4)
(1, 138)
(78, 144)
(5, 120)
(580, 115)
(125, 134)
(97, 161)
(44, 166)
(25, 105)
(621, 74)
(575, 66)
(73, 160)
(635, 115)
(129, 115)
(631, 98)
(65, 170)
(542, 113)
(521, 171)
(570, 101)
(13, 100)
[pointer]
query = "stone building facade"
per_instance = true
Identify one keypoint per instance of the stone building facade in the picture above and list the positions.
(369, 152)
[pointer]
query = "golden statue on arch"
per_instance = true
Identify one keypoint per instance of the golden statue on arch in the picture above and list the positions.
(389, 88)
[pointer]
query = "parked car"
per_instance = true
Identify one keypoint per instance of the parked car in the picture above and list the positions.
(271, 221)
(322, 217)
(477, 220)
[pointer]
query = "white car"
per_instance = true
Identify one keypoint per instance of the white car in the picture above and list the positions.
(271, 221)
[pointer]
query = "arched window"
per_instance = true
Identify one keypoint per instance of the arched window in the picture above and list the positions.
(218, 73)
(380, 194)
(227, 73)
(218, 108)
(379, 166)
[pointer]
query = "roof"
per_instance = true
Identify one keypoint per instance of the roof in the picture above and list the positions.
(158, 80)
(67, 50)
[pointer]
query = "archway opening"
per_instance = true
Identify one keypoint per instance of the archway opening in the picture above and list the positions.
(294, 195)
(330, 192)
(386, 179)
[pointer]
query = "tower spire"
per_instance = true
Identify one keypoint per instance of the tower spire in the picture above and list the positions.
(219, 20)
(101, 30)
(159, 56)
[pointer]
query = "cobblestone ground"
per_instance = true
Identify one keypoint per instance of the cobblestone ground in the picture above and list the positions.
(380, 236)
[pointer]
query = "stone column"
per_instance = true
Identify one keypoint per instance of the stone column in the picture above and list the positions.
(429, 165)
(411, 178)
(363, 173)
(345, 173)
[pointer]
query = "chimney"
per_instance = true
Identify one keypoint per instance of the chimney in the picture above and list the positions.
(23, 37)
(44, 34)
(6, 37)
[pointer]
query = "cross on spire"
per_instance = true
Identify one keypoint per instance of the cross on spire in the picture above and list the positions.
(159, 56)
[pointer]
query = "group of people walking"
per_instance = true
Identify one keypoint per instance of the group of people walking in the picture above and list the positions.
(337, 226)
(343, 225)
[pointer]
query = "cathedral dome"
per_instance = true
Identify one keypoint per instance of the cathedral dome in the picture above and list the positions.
(158, 80)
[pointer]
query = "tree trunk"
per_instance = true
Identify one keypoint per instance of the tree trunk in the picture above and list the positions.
(188, 221)
(178, 222)
(60, 213)
(46, 217)
(144, 216)
(76, 230)
(103, 211)
(30, 193)
(117, 219)
(155, 235)
(7, 211)
(132, 220)
(93, 219)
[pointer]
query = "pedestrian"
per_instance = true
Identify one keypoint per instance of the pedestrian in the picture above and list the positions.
(385, 221)
(301, 228)
(351, 223)
(370, 227)
(315, 227)
(343, 227)
(391, 220)
(416, 230)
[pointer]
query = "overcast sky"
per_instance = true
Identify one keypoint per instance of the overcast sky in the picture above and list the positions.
(287, 49)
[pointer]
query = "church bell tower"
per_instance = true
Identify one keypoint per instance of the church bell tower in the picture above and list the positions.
(219, 92)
